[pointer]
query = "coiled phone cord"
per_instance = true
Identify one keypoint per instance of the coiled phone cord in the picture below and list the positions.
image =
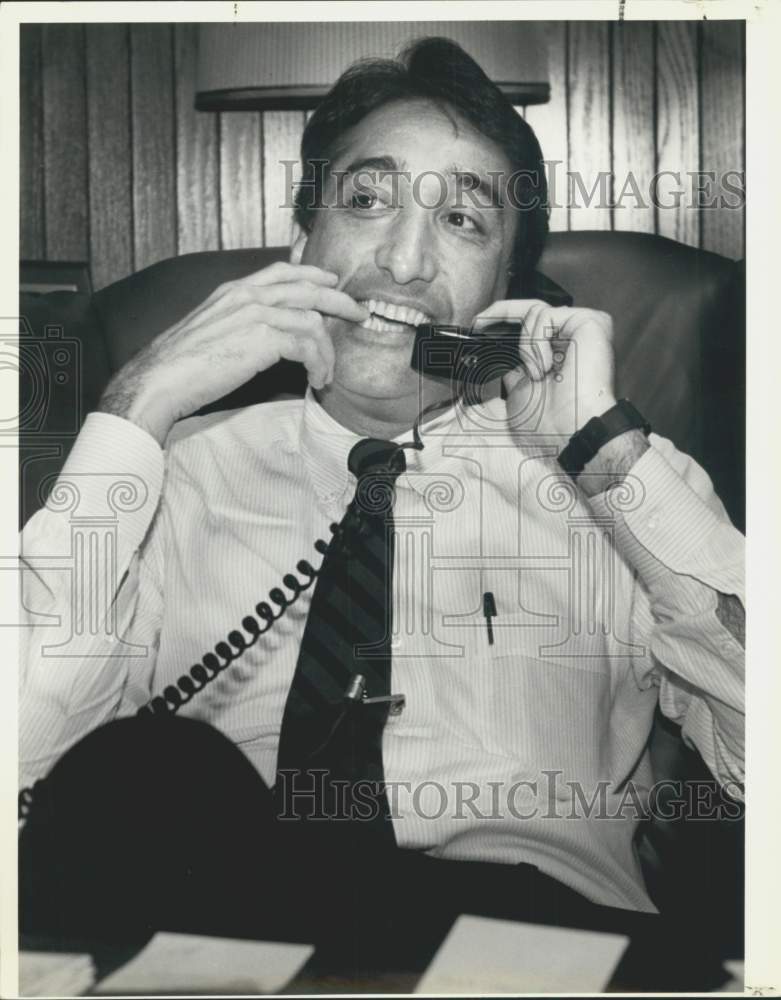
(213, 663)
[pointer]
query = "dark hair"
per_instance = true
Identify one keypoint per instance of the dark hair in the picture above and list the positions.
(439, 70)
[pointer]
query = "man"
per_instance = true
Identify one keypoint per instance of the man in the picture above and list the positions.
(517, 711)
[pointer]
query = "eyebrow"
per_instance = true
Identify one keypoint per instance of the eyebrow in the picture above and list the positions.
(379, 163)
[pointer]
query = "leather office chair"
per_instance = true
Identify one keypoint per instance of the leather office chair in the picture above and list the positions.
(680, 347)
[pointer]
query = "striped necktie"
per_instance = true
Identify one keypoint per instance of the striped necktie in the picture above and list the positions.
(330, 748)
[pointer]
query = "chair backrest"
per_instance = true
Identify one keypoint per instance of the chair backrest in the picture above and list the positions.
(678, 333)
(679, 319)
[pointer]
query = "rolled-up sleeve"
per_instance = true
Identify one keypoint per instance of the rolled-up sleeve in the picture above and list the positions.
(677, 537)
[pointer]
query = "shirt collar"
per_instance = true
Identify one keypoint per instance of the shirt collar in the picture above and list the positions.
(324, 445)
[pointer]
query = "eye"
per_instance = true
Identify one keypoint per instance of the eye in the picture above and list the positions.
(461, 221)
(363, 200)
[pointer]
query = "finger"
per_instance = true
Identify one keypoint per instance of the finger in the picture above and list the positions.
(282, 272)
(564, 320)
(309, 351)
(540, 329)
(511, 310)
(526, 313)
(533, 348)
(303, 325)
(535, 353)
(326, 345)
(328, 301)
(519, 310)
(546, 330)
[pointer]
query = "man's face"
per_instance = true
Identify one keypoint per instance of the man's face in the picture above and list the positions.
(411, 246)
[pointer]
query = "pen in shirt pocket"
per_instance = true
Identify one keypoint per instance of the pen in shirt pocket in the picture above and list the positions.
(489, 612)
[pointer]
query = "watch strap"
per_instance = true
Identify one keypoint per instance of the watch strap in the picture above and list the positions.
(596, 432)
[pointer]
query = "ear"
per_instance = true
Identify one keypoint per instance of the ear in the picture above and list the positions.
(300, 237)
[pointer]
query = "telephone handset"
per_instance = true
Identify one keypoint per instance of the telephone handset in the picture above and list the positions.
(464, 355)
(458, 353)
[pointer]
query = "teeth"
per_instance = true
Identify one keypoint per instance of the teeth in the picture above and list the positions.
(390, 311)
(380, 325)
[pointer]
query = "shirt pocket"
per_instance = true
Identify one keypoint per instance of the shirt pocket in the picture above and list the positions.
(543, 712)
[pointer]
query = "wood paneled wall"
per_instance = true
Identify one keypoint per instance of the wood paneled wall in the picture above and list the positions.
(641, 100)
(117, 167)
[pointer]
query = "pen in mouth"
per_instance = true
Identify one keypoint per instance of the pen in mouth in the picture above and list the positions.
(444, 330)
(501, 328)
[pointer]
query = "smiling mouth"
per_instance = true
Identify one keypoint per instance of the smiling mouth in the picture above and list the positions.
(388, 317)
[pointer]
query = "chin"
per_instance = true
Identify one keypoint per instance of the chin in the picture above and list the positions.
(375, 367)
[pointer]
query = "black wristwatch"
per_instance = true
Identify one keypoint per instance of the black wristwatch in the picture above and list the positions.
(585, 443)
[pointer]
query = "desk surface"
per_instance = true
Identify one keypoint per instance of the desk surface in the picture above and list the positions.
(658, 961)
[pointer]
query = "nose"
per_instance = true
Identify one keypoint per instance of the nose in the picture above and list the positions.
(407, 253)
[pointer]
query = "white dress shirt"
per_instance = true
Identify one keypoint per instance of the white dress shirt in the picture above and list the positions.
(144, 559)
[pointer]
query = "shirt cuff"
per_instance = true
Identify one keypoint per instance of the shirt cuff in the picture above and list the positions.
(666, 521)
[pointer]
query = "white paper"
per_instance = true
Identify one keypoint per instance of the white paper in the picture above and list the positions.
(54, 973)
(735, 983)
(481, 955)
(190, 963)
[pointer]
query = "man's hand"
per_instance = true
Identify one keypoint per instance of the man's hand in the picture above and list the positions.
(243, 327)
(569, 351)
